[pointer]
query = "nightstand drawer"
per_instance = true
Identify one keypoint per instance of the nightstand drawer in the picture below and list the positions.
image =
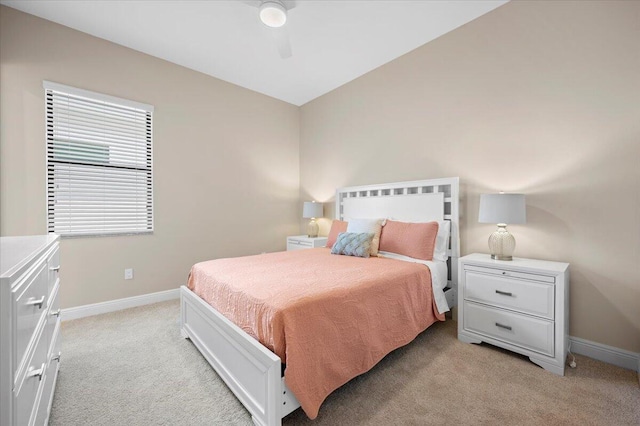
(535, 334)
(300, 242)
(528, 297)
(298, 245)
(512, 274)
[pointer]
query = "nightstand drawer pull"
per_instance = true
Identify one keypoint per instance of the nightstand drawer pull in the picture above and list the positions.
(504, 293)
(506, 327)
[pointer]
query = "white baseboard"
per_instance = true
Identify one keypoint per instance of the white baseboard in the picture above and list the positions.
(119, 304)
(609, 354)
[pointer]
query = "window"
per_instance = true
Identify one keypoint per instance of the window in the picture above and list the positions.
(99, 163)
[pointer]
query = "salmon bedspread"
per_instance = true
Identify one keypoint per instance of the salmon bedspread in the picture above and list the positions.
(330, 318)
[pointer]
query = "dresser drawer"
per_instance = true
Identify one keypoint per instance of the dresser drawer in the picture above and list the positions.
(53, 316)
(29, 306)
(531, 333)
(530, 297)
(27, 392)
(53, 266)
(50, 377)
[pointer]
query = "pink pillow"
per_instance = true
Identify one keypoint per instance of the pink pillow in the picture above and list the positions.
(337, 226)
(415, 240)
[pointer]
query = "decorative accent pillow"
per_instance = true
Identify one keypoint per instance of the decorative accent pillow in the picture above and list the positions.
(337, 226)
(415, 240)
(369, 226)
(353, 244)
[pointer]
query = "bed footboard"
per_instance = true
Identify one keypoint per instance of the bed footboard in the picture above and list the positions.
(250, 370)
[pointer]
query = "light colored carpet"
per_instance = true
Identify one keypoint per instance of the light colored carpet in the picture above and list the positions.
(133, 368)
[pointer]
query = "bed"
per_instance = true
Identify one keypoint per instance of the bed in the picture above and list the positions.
(290, 308)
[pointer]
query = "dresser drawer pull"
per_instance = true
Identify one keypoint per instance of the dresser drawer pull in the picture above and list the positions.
(36, 302)
(57, 357)
(506, 327)
(55, 268)
(36, 373)
(55, 313)
(504, 293)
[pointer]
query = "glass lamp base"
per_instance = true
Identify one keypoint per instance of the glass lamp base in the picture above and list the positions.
(312, 229)
(502, 243)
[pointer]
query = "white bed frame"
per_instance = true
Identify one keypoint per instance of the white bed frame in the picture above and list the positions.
(250, 370)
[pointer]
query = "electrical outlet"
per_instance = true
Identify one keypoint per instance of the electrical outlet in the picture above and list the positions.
(128, 274)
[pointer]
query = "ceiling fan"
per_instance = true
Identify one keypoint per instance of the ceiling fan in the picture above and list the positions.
(273, 14)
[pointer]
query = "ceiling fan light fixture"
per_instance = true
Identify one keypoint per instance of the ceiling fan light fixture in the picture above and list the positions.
(273, 14)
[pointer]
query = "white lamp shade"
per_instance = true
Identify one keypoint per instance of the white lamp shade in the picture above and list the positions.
(502, 208)
(312, 209)
(273, 14)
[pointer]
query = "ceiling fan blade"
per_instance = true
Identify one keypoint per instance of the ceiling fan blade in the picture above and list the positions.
(289, 4)
(281, 38)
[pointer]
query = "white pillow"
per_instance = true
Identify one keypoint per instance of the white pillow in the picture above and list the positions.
(442, 241)
(370, 226)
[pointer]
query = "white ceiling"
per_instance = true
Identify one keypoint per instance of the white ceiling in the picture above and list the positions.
(333, 42)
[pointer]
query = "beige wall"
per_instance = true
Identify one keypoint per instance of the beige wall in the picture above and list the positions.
(535, 97)
(226, 163)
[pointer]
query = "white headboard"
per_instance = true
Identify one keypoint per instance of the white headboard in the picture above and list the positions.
(414, 201)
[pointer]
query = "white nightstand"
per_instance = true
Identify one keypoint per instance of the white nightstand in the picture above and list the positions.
(521, 305)
(299, 242)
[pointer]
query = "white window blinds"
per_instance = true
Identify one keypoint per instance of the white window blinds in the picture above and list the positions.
(99, 163)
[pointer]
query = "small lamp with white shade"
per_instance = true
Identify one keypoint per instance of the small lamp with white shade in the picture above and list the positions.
(502, 209)
(312, 210)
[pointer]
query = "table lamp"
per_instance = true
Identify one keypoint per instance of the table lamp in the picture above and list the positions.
(502, 209)
(312, 210)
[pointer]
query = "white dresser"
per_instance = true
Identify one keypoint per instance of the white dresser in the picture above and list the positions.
(299, 242)
(521, 305)
(29, 328)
